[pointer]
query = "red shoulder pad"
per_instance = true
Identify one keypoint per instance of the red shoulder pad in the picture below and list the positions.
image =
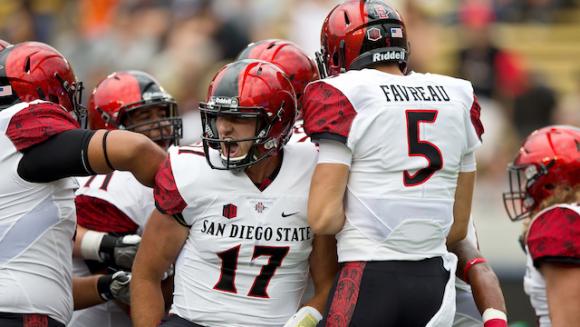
(168, 200)
(475, 113)
(102, 216)
(555, 233)
(328, 114)
(37, 123)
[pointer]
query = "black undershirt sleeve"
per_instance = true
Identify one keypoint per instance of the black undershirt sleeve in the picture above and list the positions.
(63, 155)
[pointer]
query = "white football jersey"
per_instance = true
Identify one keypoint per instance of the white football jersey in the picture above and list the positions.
(409, 136)
(298, 135)
(554, 234)
(122, 190)
(245, 262)
(37, 221)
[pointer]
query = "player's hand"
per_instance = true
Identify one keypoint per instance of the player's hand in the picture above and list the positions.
(115, 287)
(119, 251)
(305, 317)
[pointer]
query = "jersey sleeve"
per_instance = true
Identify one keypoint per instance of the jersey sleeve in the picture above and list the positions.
(37, 123)
(168, 200)
(102, 216)
(328, 114)
(474, 127)
(554, 236)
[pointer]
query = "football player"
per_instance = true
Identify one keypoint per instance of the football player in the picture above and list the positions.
(112, 209)
(293, 61)
(544, 181)
(404, 145)
(42, 146)
(233, 213)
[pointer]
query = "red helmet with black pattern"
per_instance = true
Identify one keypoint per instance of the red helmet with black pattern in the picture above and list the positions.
(549, 157)
(249, 89)
(122, 94)
(298, 66)
(359, 33)
(36, 71)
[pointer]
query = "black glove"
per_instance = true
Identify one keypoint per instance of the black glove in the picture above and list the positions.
(115, 287)
(119, 251)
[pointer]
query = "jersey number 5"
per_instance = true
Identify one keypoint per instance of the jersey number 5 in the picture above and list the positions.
(227, 281)
(421, 148)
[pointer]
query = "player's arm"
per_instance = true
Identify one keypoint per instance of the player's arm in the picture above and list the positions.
(461, 207)
(487, 293)
(323, 267)
(563, 290)
(118, 252)
(554, 246)
(161, 243)
(96, 289)
(84, 152)
(325, 200)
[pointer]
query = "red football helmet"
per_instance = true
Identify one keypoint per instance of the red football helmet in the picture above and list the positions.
(37, 71)
(123, 93)
(359, 33)
(249, 89)
(549, 157)
(293, 61)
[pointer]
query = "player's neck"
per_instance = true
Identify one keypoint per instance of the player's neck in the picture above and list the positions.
(390, 69)
(263, 169)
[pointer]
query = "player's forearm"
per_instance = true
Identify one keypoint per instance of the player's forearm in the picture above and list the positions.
(147, 305)
(85, 293)
(126, 151)
(486, 289)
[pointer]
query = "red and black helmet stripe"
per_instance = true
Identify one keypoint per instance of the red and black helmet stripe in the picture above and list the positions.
(227, 84)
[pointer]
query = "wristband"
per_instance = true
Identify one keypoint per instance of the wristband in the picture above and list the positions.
(90, 245)
(103, 287)
(305, 317)
(468, 266)
(494, 318)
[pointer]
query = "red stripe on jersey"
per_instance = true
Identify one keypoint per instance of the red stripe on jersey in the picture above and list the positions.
(167, 197)
(475, 113)
(102, 216)
(34, 320)
(37, 123)
(345, 294)
(555, 233)
(327, 111)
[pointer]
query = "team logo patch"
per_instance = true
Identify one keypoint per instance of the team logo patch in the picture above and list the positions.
(261, 206)
(230, 211)
(374, 34)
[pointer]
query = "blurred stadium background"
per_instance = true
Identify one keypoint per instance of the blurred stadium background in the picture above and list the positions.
(523, 57)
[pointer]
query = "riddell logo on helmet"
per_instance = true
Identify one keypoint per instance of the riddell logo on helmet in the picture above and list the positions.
(389, 55)
(223, 101)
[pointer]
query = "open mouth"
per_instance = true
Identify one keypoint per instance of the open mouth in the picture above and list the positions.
(231, 149)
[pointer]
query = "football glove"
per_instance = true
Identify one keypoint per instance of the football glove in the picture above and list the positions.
(115, 287)
(118, 252)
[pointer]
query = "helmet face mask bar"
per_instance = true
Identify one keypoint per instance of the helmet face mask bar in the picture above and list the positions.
(75, 94)
(517, 201)
(210, 112)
